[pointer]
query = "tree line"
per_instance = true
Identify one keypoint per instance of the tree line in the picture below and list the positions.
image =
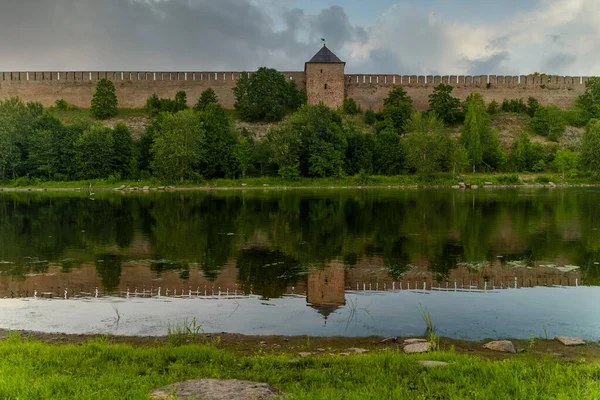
(192, 144)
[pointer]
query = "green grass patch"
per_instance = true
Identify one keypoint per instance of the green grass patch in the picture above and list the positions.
(440, 179)
(97, 370)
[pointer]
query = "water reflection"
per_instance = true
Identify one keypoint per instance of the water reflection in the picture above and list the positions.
(314, 243)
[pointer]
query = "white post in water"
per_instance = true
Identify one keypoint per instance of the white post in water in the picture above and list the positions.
(66, 290)
(485, 286)
(190, 294)
(576, 282)
(515, 282)
(35, 293)
(377, 286)
(424, 286)
(96, 293)
(158, 294)
(364, 287)
(408, 285)
(400, 285)
(370, 286)
(394, 286)
(455, 286)
(127, 292)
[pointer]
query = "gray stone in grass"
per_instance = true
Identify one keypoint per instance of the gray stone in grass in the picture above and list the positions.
(569, 341)
(503, 346)
(433, 364)
(421, 347)
(217, 389)
(413, 341)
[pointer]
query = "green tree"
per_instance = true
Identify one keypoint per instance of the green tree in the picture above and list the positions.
(549, 122)
(207, 97)
(43, 153)
(493, 107)
(590, 148)
(359, 153)
(94, 153)
(532, 106)
(176, 145)
(244, 155)
(442, 103)
(477, 123)
(350, 107)
(216, 157)
(428, 148)
(589, 101)
(370, 117)
(265, 95)
(388, 155)
(397, 109)
(123, 145)
(104, 101)
(180, 102)
(566, 161)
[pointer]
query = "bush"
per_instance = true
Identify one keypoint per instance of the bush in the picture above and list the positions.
(62, 105)
(493, 107)
(514, 105)
(104, 102)
(370, 117)
(156, 105)
(207, 97)
(549, 122)
(442, 103)
(350, 107)
(511, 179)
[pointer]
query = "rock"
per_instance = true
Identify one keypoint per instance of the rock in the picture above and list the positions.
(265, 185)
(504, 346)
(421, 347)
(217, 389)
(488, 183)
(474, 187)
(432, 364)
(321, 350)
(146, 188)
(304, 354)
(462, 185)
(569, 341)
(244, 184)
(390, 339)
(413, 341)
(455, 187)
(552, 184)
(161, 188)
(357, 350)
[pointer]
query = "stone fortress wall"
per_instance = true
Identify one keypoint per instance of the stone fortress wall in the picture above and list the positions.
(133, 88)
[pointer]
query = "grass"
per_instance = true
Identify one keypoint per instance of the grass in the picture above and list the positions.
(439, 180)
(96, 370)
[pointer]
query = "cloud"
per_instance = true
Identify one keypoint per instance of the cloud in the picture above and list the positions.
(556, 36)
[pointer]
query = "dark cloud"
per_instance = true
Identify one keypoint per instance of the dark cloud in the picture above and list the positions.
(165, 35)
(558, 63)
(487, 65)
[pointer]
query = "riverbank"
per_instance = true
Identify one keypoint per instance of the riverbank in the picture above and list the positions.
(88, 367)
(351, 182)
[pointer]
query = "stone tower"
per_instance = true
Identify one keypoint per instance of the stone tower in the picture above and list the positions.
(325, 79)
(326, 289)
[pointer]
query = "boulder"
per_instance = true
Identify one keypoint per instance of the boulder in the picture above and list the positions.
(146, 188)
(413, 341)
(552, 184)
(503, 346)
(569, 341)
(489, 183)
(161, 188)
(433, 364)
(304, 354)
(217, 389)
(421, 347)
(389, 339)
(474, 187)
(357, 350)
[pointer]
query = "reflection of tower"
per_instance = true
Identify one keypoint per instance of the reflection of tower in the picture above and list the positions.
(326, 289)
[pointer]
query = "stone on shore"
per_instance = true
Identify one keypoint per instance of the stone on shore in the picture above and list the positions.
(146, 188)
(421, 347)
(503, 346)
(217, 389)
(357, 350)
(433, 364)
(569, 341)
(413, 341)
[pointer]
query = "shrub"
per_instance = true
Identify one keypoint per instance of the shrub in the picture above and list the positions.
(207, 97)
(104, 102)
(511, 179)
(350, 107)
(370, 117)
(62, 105)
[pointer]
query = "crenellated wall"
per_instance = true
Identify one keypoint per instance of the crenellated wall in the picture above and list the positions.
(133, 88)
(369, 91)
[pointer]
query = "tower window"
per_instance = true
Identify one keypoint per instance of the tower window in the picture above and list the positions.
(325, 86)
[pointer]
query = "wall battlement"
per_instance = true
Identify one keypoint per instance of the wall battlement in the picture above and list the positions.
(369, 90)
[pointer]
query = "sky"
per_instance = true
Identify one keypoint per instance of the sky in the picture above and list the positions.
(408, 37)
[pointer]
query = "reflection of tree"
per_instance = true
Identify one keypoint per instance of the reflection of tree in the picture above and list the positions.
(108, 268)
(266, 272)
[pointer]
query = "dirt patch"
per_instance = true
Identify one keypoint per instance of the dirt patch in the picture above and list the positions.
(249, 345)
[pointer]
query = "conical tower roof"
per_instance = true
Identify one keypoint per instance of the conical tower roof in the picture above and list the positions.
(325, 56)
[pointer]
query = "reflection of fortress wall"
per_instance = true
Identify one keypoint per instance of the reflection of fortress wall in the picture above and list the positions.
(327, 287)
(498, 275)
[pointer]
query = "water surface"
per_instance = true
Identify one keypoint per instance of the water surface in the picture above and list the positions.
(486, 263)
